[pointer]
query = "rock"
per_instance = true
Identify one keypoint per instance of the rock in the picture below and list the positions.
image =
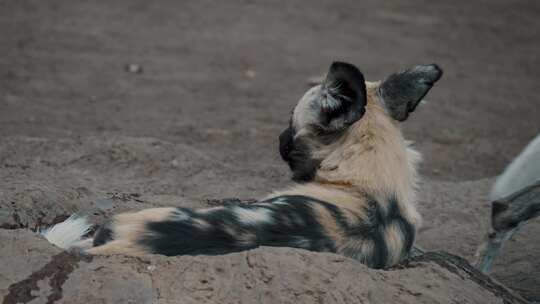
(64, 176)
(22, 253)
(250, 74)
(463, 268)
(263, 275)
(134, 68)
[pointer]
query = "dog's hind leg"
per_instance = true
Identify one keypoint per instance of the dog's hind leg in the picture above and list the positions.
(491, 248)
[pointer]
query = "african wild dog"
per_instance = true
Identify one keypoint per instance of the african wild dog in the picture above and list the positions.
(355, 192)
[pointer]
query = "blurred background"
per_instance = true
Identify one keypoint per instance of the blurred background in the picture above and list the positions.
(124, 105)
(225, 74)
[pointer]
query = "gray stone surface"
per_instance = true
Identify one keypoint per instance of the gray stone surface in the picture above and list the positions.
(22, 253)
(65, 181)
(264, 275)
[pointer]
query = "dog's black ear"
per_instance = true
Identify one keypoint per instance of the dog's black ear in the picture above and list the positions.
(343, 97)
(403, 91)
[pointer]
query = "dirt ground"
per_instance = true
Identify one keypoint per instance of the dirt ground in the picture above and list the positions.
(218, 80)
(62, 71)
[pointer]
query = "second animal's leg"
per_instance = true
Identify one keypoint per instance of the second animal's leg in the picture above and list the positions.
(507, 216)
(491, 247)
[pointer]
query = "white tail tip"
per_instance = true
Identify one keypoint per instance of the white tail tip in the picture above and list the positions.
(67, 233)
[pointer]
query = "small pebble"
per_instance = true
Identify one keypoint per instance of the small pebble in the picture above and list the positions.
(134, 68)
(251, 74)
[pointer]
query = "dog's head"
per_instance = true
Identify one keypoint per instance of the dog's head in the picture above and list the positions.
(328, 111)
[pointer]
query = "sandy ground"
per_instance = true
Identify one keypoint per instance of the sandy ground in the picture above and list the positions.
(218, 80)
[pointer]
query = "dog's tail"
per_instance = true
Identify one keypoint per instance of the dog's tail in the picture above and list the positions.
(69, 233)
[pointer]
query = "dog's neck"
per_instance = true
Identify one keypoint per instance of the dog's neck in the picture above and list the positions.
(371, 157)
(364, 162)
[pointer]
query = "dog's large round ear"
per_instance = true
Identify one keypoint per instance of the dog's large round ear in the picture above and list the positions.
(402, 92)
(343, 96)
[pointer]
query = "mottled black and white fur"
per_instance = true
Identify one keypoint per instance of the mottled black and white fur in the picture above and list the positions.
(355, 190)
